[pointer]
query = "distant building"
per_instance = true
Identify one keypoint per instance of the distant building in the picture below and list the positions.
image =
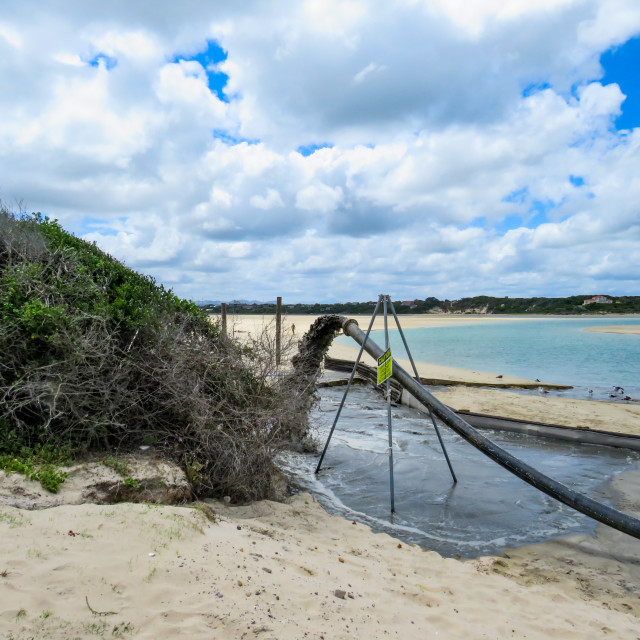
(409, 303)
(598, 299)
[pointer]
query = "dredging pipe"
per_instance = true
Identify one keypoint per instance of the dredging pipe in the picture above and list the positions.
(592, 508)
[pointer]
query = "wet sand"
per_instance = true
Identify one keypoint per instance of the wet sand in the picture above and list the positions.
(603, 568)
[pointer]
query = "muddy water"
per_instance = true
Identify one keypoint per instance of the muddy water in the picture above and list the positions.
(487, 511)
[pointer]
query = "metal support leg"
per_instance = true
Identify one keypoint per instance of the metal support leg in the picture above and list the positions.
(344, 397)
(444, 450)
(388, 382)
(417, 375)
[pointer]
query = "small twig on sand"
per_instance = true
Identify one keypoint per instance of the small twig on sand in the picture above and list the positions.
(99, 613)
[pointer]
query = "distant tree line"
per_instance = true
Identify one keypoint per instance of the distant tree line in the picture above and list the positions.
(573, 305)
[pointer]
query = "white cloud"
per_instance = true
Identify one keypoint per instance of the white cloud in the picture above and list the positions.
(135, 45)
(333, 17)
(72, 59)
(268, 201)
(220, 197)
(146, 241)
(183, 86)
(11, 36)
(319, 197)
(369, 69)
(614, 23)
(473, 16)
(432, 145)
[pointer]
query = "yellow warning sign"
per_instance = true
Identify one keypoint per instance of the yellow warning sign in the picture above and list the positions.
(385, 367)
(384, 357)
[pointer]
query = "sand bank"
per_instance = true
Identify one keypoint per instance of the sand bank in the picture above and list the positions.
(591, 414)
(253, 323)
(438, 372)
(270, 571)
(631, 329)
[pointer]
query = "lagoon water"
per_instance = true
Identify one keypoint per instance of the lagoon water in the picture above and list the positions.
(487, 511)
(550, 349)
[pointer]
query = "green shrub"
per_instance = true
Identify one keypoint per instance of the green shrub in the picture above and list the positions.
(118, 465)
(40, 465)
(96, 357)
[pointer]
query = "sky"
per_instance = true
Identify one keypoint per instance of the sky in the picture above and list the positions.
(333, 150)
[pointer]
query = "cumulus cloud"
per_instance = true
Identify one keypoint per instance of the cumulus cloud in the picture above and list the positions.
(318, 198)
(474, 142)
(267, 201)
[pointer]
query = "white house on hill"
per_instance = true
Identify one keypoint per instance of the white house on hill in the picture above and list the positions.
(598, 299)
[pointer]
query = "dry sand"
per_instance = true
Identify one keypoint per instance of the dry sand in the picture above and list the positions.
(277, 571)
(633, 329)
(292, 571)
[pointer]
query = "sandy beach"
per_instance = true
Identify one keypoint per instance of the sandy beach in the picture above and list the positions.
(253, 323)
(292, 571)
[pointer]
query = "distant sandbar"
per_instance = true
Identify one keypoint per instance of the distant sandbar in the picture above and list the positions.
(627, 329)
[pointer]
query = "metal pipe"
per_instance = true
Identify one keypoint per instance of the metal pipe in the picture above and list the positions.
(592, 508)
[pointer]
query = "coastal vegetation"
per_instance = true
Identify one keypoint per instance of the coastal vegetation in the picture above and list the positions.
(95, 357)
(572, 305)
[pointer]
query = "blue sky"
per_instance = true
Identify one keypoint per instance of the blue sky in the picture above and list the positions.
(256, 149)
(621, 65)
(210, 58)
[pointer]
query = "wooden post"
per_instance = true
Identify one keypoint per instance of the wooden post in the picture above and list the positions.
(278, 329)
(223, 317)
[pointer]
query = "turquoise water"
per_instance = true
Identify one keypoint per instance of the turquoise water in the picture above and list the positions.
(549, 349)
